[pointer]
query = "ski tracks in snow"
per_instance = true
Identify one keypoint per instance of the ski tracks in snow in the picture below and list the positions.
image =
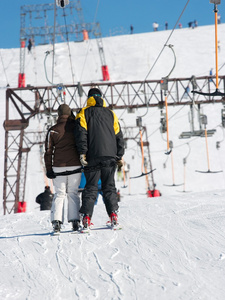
(169, 248)
(195, 251)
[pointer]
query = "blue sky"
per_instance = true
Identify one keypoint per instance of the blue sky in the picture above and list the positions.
(115, 17)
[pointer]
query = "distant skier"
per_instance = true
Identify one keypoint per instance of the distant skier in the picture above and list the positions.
(155, 26)
(190, 24)
(211, 74)
(61, 156)
(45, 199)
(30, 44)
(195, 23)
(100, 143)
(166, 25)
(218, 45)
(218, 18)
(131, 29)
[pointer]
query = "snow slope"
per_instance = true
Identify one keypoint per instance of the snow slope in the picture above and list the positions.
(170, 247)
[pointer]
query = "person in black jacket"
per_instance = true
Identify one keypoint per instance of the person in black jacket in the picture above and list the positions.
(100, 144)
(45, 199)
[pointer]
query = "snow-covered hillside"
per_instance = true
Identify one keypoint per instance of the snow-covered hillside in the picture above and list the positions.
(171, 247)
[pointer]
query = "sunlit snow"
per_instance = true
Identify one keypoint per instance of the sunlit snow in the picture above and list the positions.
(170, 247)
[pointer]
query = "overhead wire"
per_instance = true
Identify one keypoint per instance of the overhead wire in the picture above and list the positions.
(165, 45)
(155, 64)
(68, 45)
(53, 56)
(95, 16)
(167, 40)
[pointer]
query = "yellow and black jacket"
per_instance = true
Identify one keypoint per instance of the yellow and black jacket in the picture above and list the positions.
(98, 131)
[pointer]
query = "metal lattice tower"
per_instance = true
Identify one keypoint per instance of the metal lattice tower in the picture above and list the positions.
(32, 14)
(44, 32)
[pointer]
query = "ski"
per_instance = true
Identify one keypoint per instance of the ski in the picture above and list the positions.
(85, 231)
(75, 231)
(113, 227)
(68, 231)
(55, 233)
(88, 230)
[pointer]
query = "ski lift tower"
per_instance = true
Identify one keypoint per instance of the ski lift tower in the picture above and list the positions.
(98, 35)
(76, 31)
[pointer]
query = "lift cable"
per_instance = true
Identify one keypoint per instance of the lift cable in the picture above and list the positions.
(96, 12)
(53, 56)
(167, 40)
(68, 45)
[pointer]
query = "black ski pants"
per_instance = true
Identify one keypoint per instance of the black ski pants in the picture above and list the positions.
(103, 168)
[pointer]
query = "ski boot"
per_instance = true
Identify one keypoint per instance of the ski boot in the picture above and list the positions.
(56, 226)
(86, 224)
(76, 225)
(113, 223)
(113, 219)
(86, 221)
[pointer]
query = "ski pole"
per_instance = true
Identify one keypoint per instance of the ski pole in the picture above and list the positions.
(172, 168)
(184, 161)
(207, 149)
(142, 163)
(167, 127)
(142, 152)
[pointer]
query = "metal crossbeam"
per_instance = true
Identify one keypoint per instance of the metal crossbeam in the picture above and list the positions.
(22, 104)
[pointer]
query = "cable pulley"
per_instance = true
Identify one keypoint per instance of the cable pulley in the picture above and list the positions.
(62, 3)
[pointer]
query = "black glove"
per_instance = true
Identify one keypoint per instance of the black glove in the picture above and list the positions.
(119, 163)
(50, 174)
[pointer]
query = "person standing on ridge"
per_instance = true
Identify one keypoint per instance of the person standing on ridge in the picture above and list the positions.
(100, 143)
(155, 26)
(131, 29)
(166, 25)
(61, 156)
(30, 44)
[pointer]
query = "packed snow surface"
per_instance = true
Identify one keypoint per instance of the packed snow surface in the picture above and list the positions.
(170, 247)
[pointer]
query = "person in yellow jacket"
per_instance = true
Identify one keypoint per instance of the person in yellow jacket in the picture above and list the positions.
(100, 144)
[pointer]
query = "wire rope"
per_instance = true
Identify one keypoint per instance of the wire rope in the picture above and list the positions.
(68, 45)
(53, 56)
(85, 60)
(167, 39)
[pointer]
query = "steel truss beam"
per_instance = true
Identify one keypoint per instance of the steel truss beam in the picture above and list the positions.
(22, 104)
